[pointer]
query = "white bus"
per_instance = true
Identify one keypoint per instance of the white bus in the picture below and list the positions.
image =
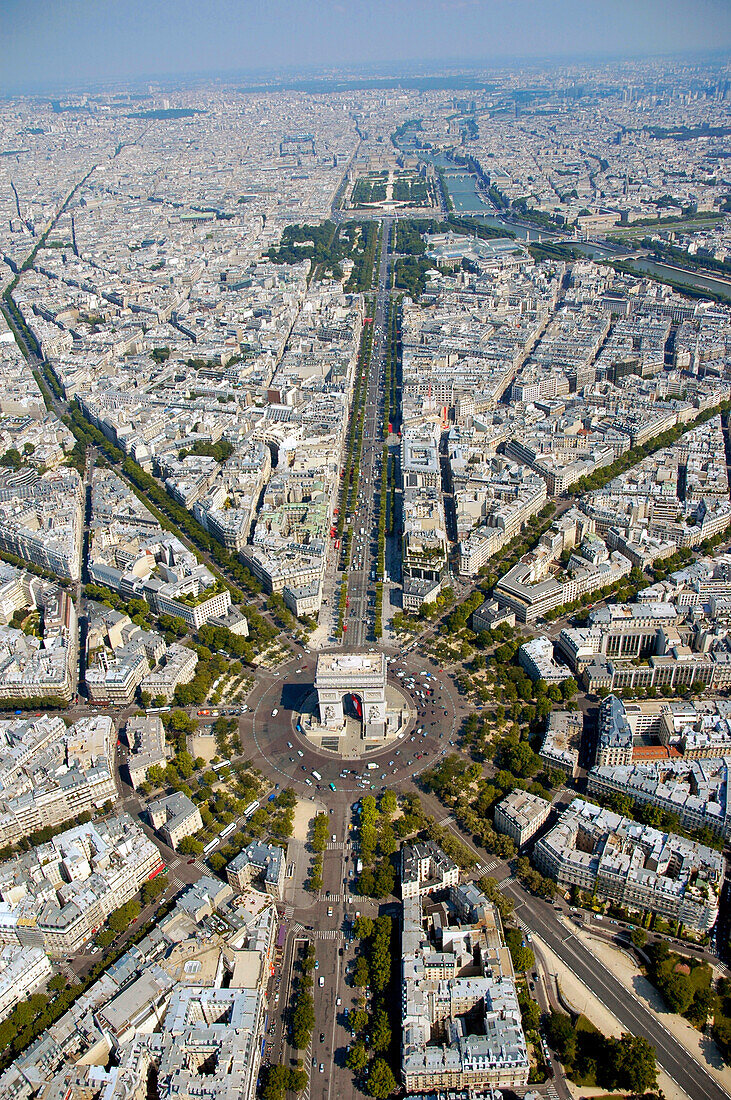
(251, 808)
(317, 776)
(228, 830)
(210, 846)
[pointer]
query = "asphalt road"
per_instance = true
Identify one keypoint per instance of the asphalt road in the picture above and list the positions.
(364, 548)
(688, 1074)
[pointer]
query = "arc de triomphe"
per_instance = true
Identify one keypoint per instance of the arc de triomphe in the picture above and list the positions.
(361, 674)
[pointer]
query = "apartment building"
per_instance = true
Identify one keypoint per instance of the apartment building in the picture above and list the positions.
(177, 666)
(32, 667)
(265, 862)
(535, 585)
(50, 773)
(147, 748)
(435, 947)
(693, 790)
(538, 659)
(57, 895)
(425, 868)
(175, 816)
(23, 971)
(562, 742)
(633, 866)
(520, 815)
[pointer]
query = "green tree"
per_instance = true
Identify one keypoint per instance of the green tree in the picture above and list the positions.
(638, 937)
(185, 764)
(121, 918)
(156, 775)
(562, 1037)
(363, 927)
(380, 1031)
(384, 879)
(357, 1058)
(634, 1063)
(704, 1004)
(358, 1020)
(388, 803)
(12, 458)
(380, 1081)
(531, 1014)
(677, 992)
(189, 846)
(361, 975)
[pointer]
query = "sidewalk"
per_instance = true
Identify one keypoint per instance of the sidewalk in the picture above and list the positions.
(295, 893)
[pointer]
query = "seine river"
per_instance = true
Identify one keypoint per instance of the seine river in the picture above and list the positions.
(467, 199)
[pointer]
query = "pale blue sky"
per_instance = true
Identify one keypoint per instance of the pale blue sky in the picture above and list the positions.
(73, 42)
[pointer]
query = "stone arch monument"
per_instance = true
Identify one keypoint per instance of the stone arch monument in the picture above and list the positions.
(361, 674)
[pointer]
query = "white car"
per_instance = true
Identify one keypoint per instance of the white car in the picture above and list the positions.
(275, 712)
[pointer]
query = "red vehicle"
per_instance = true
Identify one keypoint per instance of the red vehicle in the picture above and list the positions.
(356, 704)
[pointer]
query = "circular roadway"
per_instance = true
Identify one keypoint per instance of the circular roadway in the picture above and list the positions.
(289, 758)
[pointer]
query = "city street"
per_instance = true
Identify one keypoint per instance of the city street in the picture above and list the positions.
(364, 547)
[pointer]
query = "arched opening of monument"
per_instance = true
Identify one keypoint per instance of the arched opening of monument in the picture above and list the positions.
(353, 707)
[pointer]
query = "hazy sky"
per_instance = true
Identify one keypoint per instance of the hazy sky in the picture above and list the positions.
(72, 42)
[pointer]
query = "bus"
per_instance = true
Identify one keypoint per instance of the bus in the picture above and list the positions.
(210, 846)
(333, 787)
(221, 765)
(251, 809)
(317, 776)
(228, 830)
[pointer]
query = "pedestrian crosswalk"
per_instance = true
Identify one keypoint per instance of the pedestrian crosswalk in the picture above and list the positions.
(327, 934)
(361, 898)
(551, 1090)
(485, 868)
(335, 846)
(288, 912)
